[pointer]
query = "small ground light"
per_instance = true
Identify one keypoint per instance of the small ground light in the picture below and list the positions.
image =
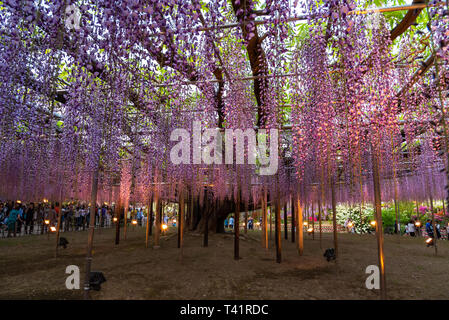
(310, 229)
(47, 221)
(53, 229)
(418, 223)
(164, 227)
(114, 219)
(18, 201)
(429, 242)
(134, 222)
(373, 223)
(305, 223)
(174, 220)
(350, 224)
(257, 223)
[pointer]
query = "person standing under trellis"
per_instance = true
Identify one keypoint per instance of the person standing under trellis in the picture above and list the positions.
(29, 219)
(411, 228)
(12, 219)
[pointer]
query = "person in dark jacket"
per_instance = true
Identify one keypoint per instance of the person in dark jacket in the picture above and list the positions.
(29, 219)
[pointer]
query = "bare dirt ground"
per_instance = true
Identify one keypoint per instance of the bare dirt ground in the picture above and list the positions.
(28, 269)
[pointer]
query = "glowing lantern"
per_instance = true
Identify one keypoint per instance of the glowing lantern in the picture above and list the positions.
(18, 201)
(134, 222)
(418, 224)
(373, 223)
(350, 224)
(305, 223)
(47, 221)
(53, 229)
(310, 230)
(114, 219)
(164, 227)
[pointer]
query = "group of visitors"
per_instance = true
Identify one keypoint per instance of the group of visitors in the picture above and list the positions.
(412, 228)
(229, 223)
(30, 218)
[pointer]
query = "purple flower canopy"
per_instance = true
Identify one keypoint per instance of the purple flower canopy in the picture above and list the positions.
(102, 86)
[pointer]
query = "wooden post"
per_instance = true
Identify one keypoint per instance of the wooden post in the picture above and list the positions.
(125, 226)
(181, 222)
(93, 201)
(157, 231)
(313, 220)
(118, 209)
(300, 230)
(435, 234)
(285, 222)
(246, 217)
(149, 221)
(271, 218)
(334, 217)
(379, 231)
(206, 220)
(58, 227)
(294, 226)
(319, 219)
(237, 226)
(264, 220)
(179, 219)
(278, 228)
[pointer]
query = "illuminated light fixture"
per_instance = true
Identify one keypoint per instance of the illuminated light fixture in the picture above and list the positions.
(373, 223)
(53, 229)
(18, 201)
(174, 220)
(418, 223)
(134, 222)
(164, 227)
(114, 219)
(105, 203)
(350, 224)
(310, 230)
(429, 240)
(305, 223)
(47, 221)
(257, 223)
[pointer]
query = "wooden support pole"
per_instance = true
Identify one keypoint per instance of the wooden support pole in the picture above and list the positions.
(58, 227)
(118, 211)
(181, 222)
(246, 217)
(294, 226)
(319, 218)
(313, 221)
(157, 231)
(125, 226)
(379, 231)
(285, 222)
(271, 219)
(435, 233)
(300, 230)
(334, 217)
(278, 228)
(237, 226)
(149, 222)
(90, 242)
(206, 220)
(264, 220)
